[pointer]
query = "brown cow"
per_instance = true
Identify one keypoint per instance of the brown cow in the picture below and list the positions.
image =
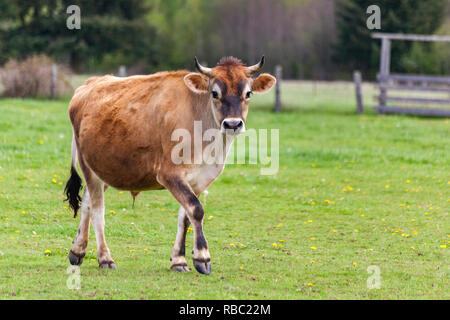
(122, 134)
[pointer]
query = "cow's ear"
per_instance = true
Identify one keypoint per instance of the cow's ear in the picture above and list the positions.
(263, 83)
(196, 82)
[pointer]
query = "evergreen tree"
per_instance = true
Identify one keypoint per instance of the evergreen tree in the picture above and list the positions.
(110, 29)
(356, 49)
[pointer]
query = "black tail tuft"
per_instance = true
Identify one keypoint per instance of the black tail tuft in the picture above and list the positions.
(72, 191)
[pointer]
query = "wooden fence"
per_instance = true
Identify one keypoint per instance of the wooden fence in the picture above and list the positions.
(403, 82)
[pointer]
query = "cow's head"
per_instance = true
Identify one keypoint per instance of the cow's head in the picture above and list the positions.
(230, 85)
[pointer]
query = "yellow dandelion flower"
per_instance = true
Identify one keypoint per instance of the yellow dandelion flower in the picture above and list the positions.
(241, 268)
(231, 244)
(309, 221)
(312, 261)
(334, 230)
(48, 251)
(274, 245)
(281, 240)
(412, 247)
(132, 250)
(54, 181)
(312, 238)
(402, 204)
(309, 284)
(408, 181)
(412, 220)
(443, 246)
(354, 264)
(387, 186)
(210, 218)
(313, 248)
(356, 230)
(146, 250)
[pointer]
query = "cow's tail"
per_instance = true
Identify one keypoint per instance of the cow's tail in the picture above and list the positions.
(73, 185)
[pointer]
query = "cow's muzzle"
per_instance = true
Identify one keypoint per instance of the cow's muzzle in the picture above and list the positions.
(233, 126)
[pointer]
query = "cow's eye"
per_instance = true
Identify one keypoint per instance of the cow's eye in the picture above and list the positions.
(215, 94)
(248, 94)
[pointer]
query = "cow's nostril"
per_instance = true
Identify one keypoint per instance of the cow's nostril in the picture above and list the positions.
(233, 124)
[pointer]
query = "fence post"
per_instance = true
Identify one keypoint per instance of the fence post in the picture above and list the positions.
(278, 76)
(359, 103)
(122, 71)
(54, 82)
(385, 62)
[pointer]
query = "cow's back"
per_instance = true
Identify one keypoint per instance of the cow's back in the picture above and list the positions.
(121, 125)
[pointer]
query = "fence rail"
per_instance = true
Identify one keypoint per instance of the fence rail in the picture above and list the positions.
(407, 82)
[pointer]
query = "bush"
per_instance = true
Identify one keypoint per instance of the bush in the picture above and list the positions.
(32, 78)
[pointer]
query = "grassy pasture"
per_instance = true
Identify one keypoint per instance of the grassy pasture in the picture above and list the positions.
(351, 192)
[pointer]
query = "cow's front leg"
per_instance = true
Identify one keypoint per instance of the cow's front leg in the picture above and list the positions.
(178, 256)
(194, 209)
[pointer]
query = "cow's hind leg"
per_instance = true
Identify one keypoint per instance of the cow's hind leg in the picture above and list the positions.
(97, 213)
(95, 189)
(182, 191)
(80, 242)
(178, 257)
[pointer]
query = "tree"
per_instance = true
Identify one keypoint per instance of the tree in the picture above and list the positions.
(355, 49)
(116, 29)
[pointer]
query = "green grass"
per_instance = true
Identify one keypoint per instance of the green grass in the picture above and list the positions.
(326, 153)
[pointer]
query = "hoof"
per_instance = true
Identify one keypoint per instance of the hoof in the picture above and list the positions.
(202, 266)
(76, 259)
(180, 267)
(107, 265)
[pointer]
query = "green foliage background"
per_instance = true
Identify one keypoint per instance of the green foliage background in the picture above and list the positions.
(318, 39)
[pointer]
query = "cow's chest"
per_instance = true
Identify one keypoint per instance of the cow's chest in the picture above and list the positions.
(199, 178)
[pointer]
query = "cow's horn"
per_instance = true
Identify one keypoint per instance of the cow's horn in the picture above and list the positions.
(206, 71)
(255, 68)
